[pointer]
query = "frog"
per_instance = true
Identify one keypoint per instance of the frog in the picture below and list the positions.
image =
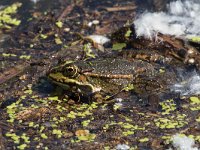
(107, 75)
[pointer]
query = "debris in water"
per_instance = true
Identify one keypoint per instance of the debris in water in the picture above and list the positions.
(100, 39)
(189, 86)
(182, 142)
(122, 147)
(181, 19)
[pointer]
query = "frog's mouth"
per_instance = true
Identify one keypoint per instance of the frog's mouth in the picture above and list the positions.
(67, 83)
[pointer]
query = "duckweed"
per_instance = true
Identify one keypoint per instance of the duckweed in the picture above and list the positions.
(8, 55)
(11, 111)
(57, 132)
(22, 146)
(6, 20)
(106, 148)
(85, 135)
(168, 106)
(167, 138)
(41, 129)
(129, 87)
(25, 138)
(72, 115)
(195, 103)
(144, 140)
(117, 106)
(128, 33)
(89, 137)
(43, 135)
(85, 123)
(128, 129)
(31, 124)
(195, 100)
(171, 122)
(28, 91)
(58, 41)
(55, 98)
(14, 137)
(118, 46)
(127, 133)
(88, 51)
(59, 24)
(168, 119)
(195, 39)
(43, 36)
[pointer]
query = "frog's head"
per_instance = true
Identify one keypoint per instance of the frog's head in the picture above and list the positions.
(70, 76)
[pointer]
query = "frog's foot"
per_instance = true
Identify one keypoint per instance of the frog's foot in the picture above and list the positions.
(98, 97)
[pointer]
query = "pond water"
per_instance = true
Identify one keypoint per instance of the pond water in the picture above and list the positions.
(37, 115)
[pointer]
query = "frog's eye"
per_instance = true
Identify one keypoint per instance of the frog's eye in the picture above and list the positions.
(71, 71)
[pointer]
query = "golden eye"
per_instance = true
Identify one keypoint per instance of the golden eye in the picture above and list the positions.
(71, 71)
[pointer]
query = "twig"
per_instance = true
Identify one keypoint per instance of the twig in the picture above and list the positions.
(65, 12)
(122, 8)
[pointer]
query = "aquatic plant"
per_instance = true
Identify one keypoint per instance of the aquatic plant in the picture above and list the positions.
(6, 20)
